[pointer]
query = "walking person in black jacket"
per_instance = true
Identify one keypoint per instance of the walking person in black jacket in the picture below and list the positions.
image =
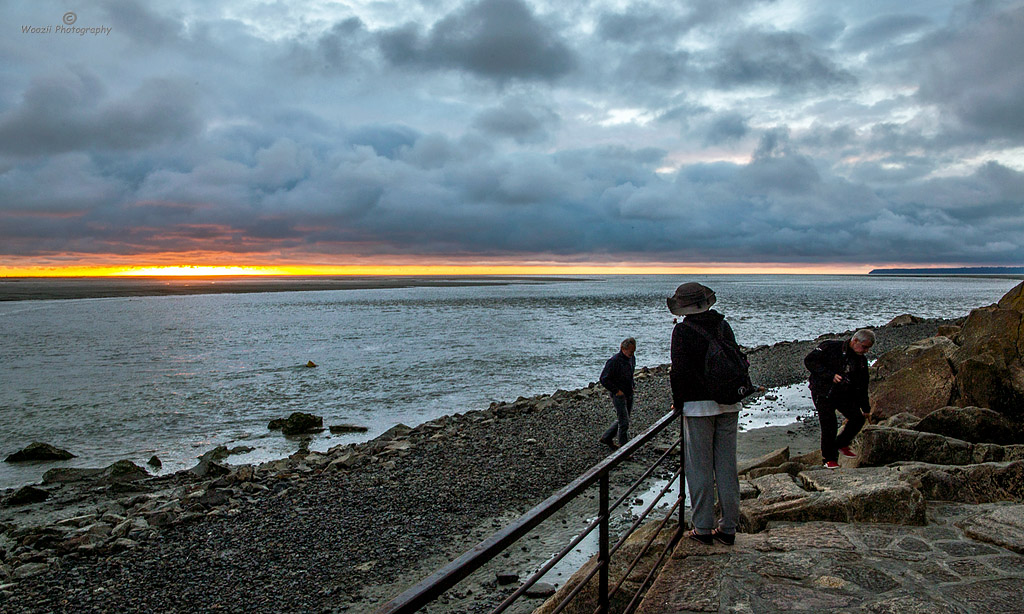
(839, 382)
(617, 378)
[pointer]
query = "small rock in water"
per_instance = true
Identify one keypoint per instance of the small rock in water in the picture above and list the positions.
(154, 461)
(338, 429)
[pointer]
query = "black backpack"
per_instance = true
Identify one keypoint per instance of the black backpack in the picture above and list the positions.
(726, 369)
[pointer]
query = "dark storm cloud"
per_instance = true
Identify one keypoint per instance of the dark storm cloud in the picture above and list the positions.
(777, 59)
(497, 39)
(67, 112)
(837, 136)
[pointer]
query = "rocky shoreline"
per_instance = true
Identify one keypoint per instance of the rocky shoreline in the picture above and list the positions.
(343, 530)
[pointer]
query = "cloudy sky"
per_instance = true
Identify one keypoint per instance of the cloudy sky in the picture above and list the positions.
(794, 132)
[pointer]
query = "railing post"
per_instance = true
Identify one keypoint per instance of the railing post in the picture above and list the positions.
(682, 472)
(604, 557)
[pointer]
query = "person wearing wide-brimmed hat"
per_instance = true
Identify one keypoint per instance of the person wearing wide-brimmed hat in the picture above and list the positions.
(709, 427)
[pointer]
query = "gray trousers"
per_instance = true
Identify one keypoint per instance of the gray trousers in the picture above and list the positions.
(710, 462)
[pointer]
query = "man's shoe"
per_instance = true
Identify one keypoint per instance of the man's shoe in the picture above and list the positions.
(832, 465)
(611, 444)
(846, 451)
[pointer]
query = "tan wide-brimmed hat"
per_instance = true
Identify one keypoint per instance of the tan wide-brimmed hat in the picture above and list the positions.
(691, 298)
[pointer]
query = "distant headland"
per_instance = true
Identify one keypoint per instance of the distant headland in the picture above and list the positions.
(1012, 271)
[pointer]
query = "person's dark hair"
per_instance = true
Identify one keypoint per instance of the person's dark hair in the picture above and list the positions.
(628, 342)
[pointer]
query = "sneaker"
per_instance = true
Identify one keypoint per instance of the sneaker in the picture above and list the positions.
(832, 465)
(846, 451)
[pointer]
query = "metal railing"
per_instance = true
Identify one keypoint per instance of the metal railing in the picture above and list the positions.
(433, 586)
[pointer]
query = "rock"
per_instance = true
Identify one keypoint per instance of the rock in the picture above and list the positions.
(26, 495)
(504, 578)
(905, 319)
(123, 471)
(791, 468)
(901, 420)
(948, 330)
(207, 468)
(338, 429)
(395, 432)
(540, 590)
(916, 379)
(154, 462)
(29, 570)
(993, 331)
(981, 483)
(1014, 299)
(297, 423)
(973, 424)
(69, 474)
(881, 445)
(1003, 526)
(771, 459)
(37, 451)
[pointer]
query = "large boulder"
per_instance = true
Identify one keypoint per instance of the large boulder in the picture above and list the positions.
(37, 451)
(986, 380)
(973, 424)
(881, 445)
(993, 331)
(915, 379)
(1014, 299)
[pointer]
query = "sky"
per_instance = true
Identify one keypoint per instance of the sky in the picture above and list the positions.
(798, 134)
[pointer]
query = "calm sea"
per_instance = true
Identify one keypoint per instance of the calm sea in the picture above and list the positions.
(174, 376)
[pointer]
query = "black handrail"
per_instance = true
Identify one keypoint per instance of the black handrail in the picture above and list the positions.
(434, 585)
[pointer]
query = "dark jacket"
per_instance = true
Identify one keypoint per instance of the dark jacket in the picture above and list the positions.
(688, 350)
(618, 374)
(835, 356)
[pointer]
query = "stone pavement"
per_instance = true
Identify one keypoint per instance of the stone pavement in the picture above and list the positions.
(968, 558)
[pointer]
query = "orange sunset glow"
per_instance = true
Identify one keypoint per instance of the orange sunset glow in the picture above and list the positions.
(405, 269)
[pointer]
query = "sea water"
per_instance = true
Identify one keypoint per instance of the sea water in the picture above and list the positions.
(174, 376)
